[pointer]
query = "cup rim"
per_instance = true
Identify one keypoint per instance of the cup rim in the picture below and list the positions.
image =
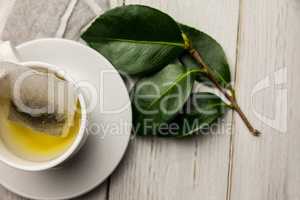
(80, 137)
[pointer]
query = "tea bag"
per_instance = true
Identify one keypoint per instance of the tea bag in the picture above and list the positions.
(38, 99)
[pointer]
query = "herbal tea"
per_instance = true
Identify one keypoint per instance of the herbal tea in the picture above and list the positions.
(30, 144)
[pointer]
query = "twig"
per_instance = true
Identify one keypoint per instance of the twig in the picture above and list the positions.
(231, 97)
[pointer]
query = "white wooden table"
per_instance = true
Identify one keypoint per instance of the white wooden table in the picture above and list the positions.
(262, 41)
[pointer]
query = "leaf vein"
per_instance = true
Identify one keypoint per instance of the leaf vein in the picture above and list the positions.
(178, 80)
(135, 41)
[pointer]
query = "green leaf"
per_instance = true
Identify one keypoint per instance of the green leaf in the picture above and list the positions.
(136, 39)
(158, 98)
(211, 52)
(200, 111)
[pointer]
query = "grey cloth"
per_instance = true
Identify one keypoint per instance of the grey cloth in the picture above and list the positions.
(79, 18)
(32, 19)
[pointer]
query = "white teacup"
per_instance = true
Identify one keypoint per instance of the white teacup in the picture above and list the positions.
(13, 160)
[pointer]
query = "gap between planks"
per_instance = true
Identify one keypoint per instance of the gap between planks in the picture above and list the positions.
(232, 136)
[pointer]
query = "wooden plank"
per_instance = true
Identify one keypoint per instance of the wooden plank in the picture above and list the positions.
(100, 193)
(196, 168)
(116, 3)
(268, 167)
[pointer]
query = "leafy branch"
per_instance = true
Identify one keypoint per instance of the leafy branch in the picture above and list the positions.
(147, 43)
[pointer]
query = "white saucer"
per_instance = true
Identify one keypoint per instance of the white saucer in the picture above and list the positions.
(102, 151)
